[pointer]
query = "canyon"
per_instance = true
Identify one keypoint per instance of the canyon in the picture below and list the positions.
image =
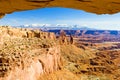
(31, 54)
(27, 54)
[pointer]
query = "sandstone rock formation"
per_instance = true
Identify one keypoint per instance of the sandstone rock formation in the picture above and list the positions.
(94, 6)
(24, 33)
(91, 64)
(27, 56)
(62, 37)
(30, 67)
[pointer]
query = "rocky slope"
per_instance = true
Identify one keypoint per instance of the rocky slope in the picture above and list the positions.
(87, 64)
(94, 6)
(27, 54)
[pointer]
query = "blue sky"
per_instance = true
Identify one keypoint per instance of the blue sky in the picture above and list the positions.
(62, 16)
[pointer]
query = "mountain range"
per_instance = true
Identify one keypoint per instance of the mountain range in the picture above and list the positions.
(45, 27)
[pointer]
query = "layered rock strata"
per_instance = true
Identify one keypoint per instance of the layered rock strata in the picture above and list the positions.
(25, 57)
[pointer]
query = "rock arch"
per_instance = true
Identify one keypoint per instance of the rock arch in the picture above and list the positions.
(93, 6)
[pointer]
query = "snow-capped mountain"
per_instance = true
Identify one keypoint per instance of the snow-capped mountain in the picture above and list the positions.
(56, 27)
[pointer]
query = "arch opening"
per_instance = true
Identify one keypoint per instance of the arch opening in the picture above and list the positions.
(61, 17)
(94, 6)
(78, 44)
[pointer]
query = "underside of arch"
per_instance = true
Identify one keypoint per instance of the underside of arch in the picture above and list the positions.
(93, 6)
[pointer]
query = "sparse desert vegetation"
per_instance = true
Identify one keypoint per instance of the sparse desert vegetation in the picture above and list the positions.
(37, 55)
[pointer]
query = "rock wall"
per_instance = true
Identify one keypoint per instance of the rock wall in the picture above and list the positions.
(27, 56)
(24, 33)
(45, 63)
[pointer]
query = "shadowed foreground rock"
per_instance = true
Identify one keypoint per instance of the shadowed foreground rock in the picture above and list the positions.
(94, 6)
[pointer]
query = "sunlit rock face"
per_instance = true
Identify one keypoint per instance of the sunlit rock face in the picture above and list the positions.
(7, 31)
(45, 63)
(27, 56)
(93, 6)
